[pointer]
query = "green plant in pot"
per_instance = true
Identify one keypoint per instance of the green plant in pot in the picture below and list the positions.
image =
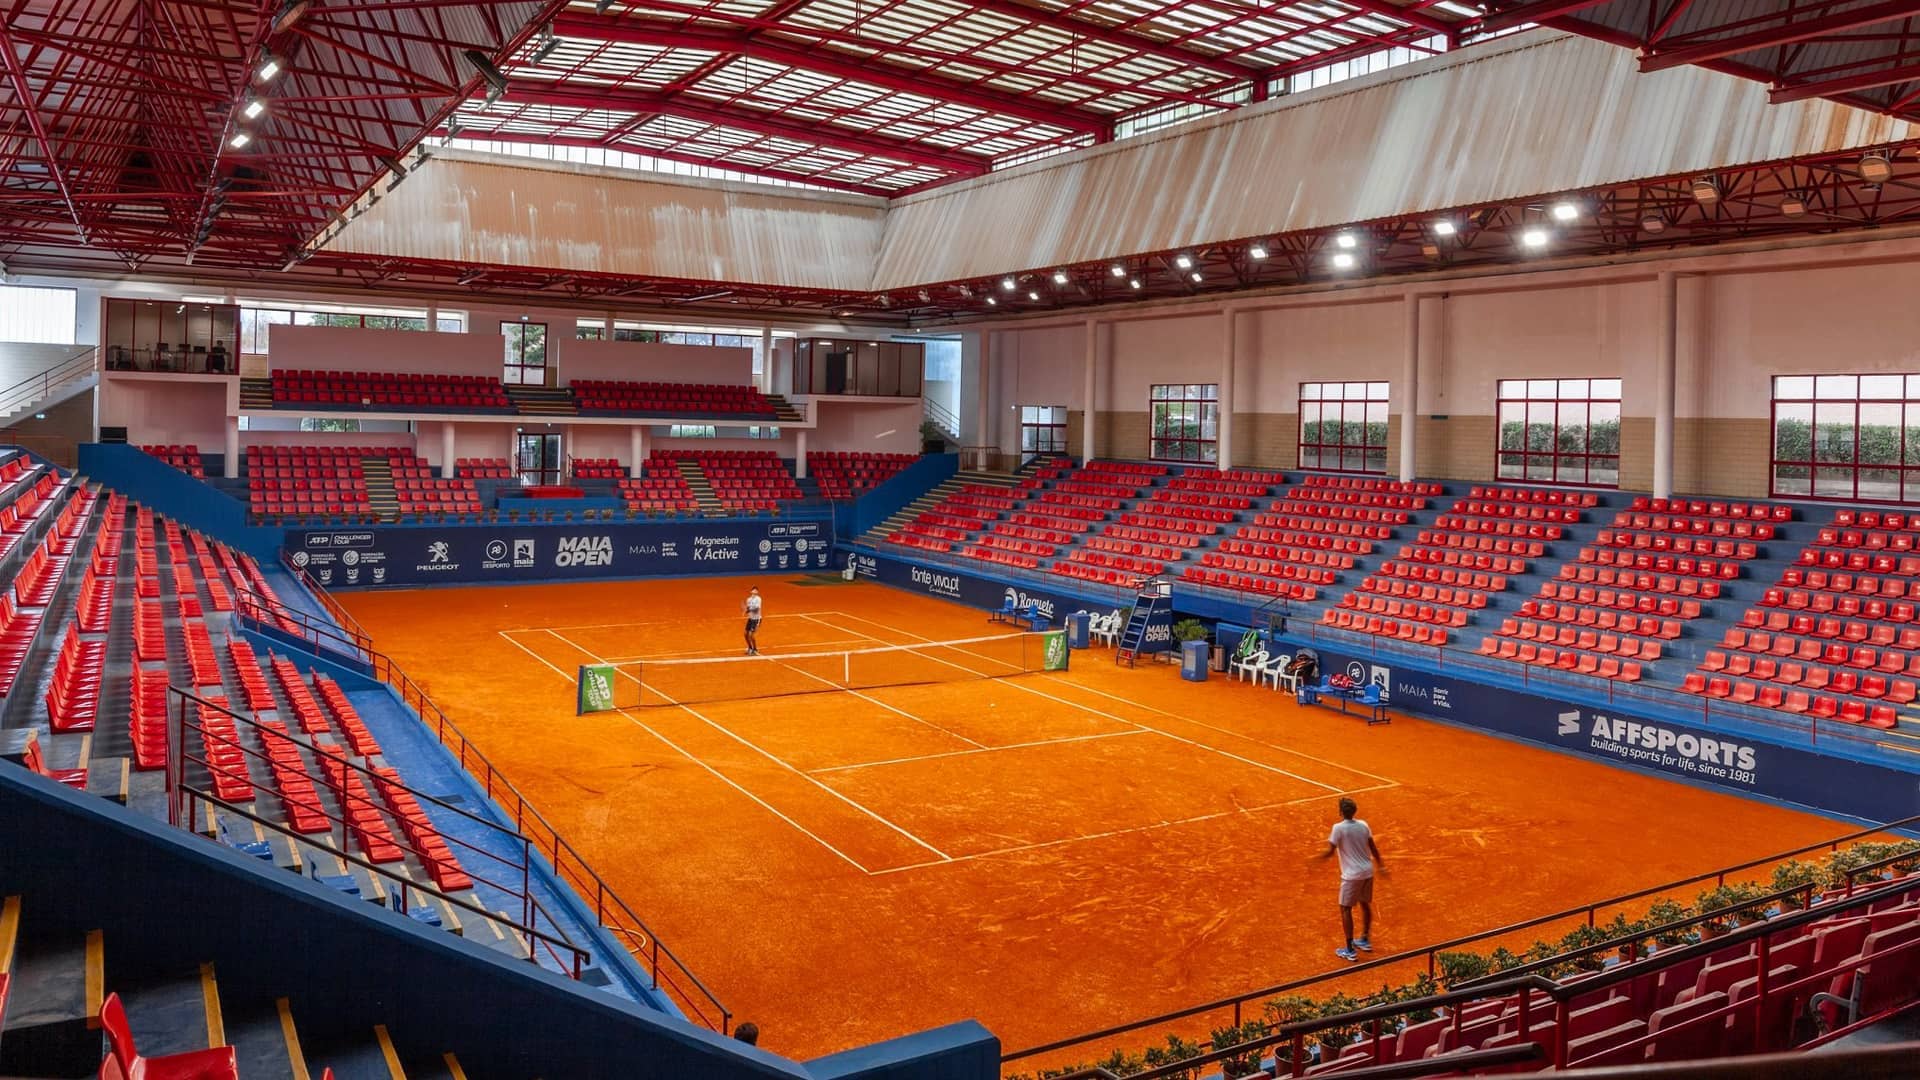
(1462, 967)
(1243, 1064)
(1795, 874)
(1721, 905)
(1290, 1009)
(1191, 630)
(1634, 929)
(1335, 1040)
(1423, 986)
(1661, 919)
(932, 439)
(1584, 938)
(1175, 1051)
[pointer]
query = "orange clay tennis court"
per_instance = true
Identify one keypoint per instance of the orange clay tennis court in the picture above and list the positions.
(1049, 853)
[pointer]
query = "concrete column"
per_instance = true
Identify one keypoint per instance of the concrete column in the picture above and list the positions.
(800, 453)
(433, 319)
(636, 447)
(765, 380)
(233, 448)
(985, 429)
(1230, 334)
(1090, 393)
(446, 449)
(1666, 340)
(1410, 383)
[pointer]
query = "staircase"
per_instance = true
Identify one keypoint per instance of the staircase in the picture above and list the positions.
(934, 495)
(56, 978)
(1134, 637)
(256, 393)
(784, 411)
(46, 376)
(378, 473)
(543, 400)
(696, 479)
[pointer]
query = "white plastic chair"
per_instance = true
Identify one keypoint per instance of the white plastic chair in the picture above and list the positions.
(1248, 667)
(1273, 671)
(1285, 679)
(1105, 629)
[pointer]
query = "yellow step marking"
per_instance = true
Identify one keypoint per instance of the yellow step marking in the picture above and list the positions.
(9, 931)
(120, 786)
(453, 1067)
(387, 1051)
(96, 976)
(210, 997)
(86, 752)
(296, 1057)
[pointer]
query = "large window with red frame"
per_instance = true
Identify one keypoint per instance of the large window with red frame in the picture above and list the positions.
(1560, 431)
(1852, 437)
(1343, 426)
(1185, 422)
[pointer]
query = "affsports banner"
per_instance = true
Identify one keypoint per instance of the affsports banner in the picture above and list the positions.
(478, 554)
(596, 688)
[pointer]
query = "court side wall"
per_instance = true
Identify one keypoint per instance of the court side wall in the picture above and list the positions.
(1742, 319)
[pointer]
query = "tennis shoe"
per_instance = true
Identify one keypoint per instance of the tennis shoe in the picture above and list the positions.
(1363, 944)
(1346, 954)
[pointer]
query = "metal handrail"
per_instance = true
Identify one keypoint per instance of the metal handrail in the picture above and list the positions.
(1431, 952)
(179, 805)
(943, 417)
(1526, 985)
(42, 383)
(610, 911)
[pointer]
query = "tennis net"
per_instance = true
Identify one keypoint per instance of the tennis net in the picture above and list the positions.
(691, 681)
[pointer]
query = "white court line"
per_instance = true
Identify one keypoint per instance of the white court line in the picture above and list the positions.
(763, 753)
(1216, 815)
(982, 750)
(764, 805)
(667, 622)
(1090, 709)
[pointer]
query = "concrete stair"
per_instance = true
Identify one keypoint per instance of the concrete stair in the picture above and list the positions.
(784, 411)
(542, 400)
(256, 393)
(378, 473)
(702, 488)
(932, 496)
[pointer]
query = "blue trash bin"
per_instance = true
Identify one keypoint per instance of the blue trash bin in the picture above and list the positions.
(1193, 660)
(1079, 629)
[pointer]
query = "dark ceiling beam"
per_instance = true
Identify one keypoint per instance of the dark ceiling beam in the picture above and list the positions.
(1123, 39)
(1847, 84)
(686, 107)
(1537, 12)
(840, 65)
(1786, 33)
(1410, 16)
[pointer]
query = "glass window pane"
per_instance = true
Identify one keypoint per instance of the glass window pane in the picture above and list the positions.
(1792, 480)
(1570, 470)
(1911, 455)
(1880, 485)
(1603, 428)
(1572, 436)
(1310, 391)
(1793, 386)
(1880, 430)
(1574, 388)
(1793, 432)
(1836, 387)
(1882, 387)
(1544, 389)
(1377, 460)
(1513, 425)
(1833, 483)
(1833, 439)
(1539, 467)
(1512, 466)
(1512, 388)
(1604, 470)
(1606, 388)
(1378, 391)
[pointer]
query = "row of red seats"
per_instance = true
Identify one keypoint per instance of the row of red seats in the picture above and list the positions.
(185, 458)
(1844, 605)
(147, 714)
(437, 497)
(1693, 526)
(253, 682)
(677, 399)
(1811, 676)
(928, 543)
(419, 830)
(844, 474)
(1097, 575)
(1123, 468)
(1310, 495)
(1607, 577)
(1621, 644)
(1602, 619)
(1464, 560)
(1302, 538)
(1579, 500)
(402, 391)
(1054, 504)
(1413, 632)
(1080, 500)
(1271, 568)
(299, 796)
(1579, 663)
(73, 693)
(19, 517)
(1043, 516)
(1680, 565)
(346, 717)
(1891, 661)
(1104, 542)
(1493, 545)
(203, 664)
(1481, 580)
(483, 469)
(226, 761)
(1622, 604)
(1365, 515)
(1366, 483)
(1498, 527)
(1411, 609)
(1156, 521)
(1055, 537)
(1774, 696)
(1189, 512)
(1109, 561)
(306, 711)
(1310, 522)
(598, 469)
(1511, 511)
(1848, 630)
(1795, 577)
(1312, 556)
(1004, 558)
(364, 821)
(1243, 583)
(1666, 543)
(1200, 498)
(1258, 477)
(1857, 562)
(1736, 511)
(1460, 595)
(1023, 547)
(1214, 484)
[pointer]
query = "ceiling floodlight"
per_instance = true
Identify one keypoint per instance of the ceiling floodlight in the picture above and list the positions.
(1705, 191)
(1257, 251)
(1443, 227)
(1653, 223)
(1059, 277)
(1565, 211)
(1196, 277)
(1117, 270)
(993, 301)
(1347, 240)
(1535, 237)
(269, 67)
(1793, 206)
(1007, 284)
(1133, 283)
(253, 108)
(486, 69)
(1032, 294)
(1183, 260)
(1343, 261)
(240, 139)
(1875, 168)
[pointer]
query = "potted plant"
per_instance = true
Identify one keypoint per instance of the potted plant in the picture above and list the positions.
(932, 439)
(1585, 938)
(1176, 1051)
(1423, 986)
(1289, 1009)
(1662, 919)
(1245, 1063)
(1462, 967)
(1801, 876)
(1335, 1040)
(1720, 904)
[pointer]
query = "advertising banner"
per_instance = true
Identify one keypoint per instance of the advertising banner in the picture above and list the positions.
(384, 557)
(972, 589)
(1056, 658)
(596, 688)
(1726, 757)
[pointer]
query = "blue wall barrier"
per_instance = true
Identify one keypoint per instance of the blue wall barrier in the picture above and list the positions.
(178, 900)
(990, 593)
(876, 506)
(383, 556)
(166, 490)
(1733, 758)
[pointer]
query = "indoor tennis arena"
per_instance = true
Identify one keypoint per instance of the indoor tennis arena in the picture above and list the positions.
(959, 539)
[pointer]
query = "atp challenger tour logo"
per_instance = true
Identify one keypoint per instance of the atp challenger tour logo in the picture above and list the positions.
(1056, 657)
(1656, 744)
(584, 551)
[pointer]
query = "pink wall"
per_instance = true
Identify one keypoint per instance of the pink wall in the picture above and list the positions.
(184, 413)
(344, 348)
(641, 361)
(879, 429)
(325, 438)
(1583, 331)
(599, 441)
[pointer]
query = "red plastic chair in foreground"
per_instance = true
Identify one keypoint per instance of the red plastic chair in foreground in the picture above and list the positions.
(125, 1063)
